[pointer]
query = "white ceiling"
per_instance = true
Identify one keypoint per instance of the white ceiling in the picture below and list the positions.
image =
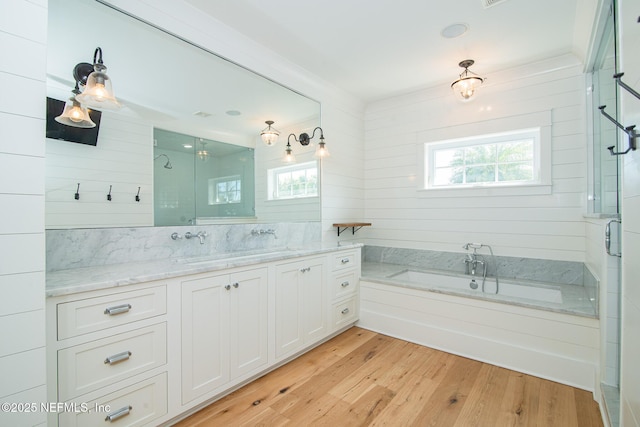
(379, 48)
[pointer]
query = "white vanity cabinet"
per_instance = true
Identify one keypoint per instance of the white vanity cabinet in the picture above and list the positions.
(301, 299)
(345, 285)
(107, 356)
(224, 330)
(148, 353)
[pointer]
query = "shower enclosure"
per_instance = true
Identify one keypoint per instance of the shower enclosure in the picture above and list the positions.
(604, 199)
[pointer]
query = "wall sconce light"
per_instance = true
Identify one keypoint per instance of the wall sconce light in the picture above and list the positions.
(269, 135)
(74, 113)
(98, 91)
(468, 82)
(304, 139)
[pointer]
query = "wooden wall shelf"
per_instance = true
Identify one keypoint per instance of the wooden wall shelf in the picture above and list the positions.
(355, 226)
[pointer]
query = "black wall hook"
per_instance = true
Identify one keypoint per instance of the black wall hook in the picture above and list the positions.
(109, 195)
(138, 195)
(629, 130)
(77, 195)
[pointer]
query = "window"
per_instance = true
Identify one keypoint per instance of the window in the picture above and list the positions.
(511, 158)
(287, 182)
(224, 190)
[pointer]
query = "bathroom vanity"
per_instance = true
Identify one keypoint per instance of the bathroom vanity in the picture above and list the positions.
(149, 343)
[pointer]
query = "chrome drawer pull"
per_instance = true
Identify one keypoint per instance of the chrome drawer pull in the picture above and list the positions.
(345, 284)
(117, 309)
(118, 414)
(345, 260)
(304, 270)
(235, 285)
(345, 311)
(120, 357)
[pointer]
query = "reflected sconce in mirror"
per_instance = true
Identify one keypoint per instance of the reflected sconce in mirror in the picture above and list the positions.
(269, 135)
(98, 91)
(74, 113)
(465, 86)
(304, 139)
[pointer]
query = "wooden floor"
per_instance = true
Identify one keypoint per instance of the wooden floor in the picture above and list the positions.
(361, 378)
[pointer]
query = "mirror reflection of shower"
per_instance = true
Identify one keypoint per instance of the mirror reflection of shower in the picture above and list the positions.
(166, 165)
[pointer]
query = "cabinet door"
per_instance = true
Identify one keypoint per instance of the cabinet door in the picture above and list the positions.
(301, 304)
(315, 300)
(288, 309)
(248, 313)
(205, 335)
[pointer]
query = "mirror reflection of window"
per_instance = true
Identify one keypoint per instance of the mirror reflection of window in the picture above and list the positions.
(227, 189)
(287, 182)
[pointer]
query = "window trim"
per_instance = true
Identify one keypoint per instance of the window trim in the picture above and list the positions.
(215, 181)
(273, 172)
(479, 140)
(539, 119)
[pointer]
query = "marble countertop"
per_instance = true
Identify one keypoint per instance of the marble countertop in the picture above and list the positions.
(575, 300)
(65, 282)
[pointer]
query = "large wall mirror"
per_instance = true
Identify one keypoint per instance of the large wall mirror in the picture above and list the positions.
(147, 166)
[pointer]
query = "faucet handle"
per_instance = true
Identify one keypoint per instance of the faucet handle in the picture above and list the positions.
(176, 236)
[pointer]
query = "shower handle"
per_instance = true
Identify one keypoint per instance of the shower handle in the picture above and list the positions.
(607, 237)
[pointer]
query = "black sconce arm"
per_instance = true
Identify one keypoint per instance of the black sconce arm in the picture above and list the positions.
(304, 138)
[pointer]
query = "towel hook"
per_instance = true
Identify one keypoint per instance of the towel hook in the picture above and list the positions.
(109, 195)
(77, 195)
(138, 195)
(629, 130)
(626, 86)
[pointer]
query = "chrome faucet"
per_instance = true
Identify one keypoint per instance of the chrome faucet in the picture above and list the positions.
(471, 263)
(474, 259)
(200, 235)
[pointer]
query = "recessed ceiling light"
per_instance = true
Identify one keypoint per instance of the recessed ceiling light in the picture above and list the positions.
(233, 113)
(454, 30)
(187, 145)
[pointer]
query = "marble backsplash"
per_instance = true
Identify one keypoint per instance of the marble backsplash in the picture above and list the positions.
(76, 248)
(541, 270)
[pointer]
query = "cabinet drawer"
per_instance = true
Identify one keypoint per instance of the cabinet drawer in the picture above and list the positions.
(344, 260)
(94, 314)
(95, 364)
(345, 312)
(344, 284)
(136, 405)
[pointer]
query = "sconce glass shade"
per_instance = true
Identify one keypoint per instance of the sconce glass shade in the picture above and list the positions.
(465, 87)
(98, 93)
(288, 155)
(322, 150)
(269, 135)
(75, 115)
(203, 154)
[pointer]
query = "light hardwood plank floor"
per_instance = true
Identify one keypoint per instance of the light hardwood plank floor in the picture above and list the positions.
(362, 378)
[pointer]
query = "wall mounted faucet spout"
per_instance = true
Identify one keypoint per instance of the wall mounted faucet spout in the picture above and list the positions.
(200, 235)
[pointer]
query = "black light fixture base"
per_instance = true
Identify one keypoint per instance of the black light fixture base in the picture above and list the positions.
(81, 72)
(304, 139)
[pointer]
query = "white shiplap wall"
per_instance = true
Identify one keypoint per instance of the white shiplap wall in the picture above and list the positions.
(629, 36)
(548, 226)
(22, 84)
(122, 159)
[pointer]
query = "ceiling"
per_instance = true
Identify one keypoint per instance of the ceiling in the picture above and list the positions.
(380, 48)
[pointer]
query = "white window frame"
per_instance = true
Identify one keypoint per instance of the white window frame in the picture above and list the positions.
(213, 189)
(480, 140)
(272, 179)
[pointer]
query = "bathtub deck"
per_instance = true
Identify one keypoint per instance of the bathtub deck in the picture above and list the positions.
(575, 300)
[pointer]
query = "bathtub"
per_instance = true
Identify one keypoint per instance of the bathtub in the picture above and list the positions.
(547, 330)
(534, 293)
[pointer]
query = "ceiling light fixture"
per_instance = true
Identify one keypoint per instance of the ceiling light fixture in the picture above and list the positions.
(202, 153)
(269, 135)
(468, 82)
(98, 91)
(304, 139)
